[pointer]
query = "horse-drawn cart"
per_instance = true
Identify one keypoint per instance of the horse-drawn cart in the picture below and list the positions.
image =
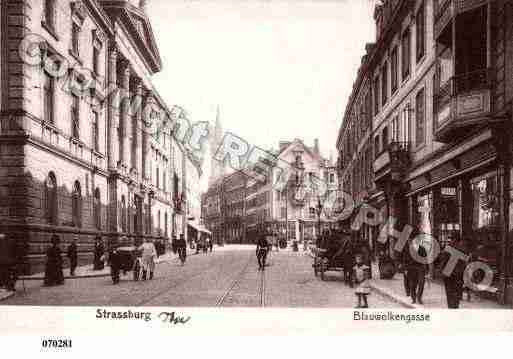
(326, 260)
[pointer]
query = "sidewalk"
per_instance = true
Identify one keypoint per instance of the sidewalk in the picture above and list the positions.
(4, 294)
(87, 271)
(434, 294)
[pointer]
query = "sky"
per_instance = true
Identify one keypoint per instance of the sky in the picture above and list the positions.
(278, 70)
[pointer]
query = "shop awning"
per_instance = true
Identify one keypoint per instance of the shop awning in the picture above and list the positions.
(199, 228)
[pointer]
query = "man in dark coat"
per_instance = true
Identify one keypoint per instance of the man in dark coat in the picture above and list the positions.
(416, 274)
(453, 282)
(261, 251)
(349, 260)
(73, 256)
(99, 251)
(115, 265)
(53, 271)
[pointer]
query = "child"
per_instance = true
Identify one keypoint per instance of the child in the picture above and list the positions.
(361, 275)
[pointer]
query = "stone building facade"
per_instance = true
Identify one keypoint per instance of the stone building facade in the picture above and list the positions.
(440, 75)
(80, 152)
(240, 206)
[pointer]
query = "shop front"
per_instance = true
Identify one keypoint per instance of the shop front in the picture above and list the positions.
(461, 198)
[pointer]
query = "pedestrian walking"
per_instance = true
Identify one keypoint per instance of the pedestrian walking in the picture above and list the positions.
(149, 253)
(453, 282)
(99, 252)
(416, 274)
(181, 247)
(72, 254)
(174, 244)
(115, 265)
(53, 269)
(348, 260)
(361, 275)
(261, 251)
(210, 244)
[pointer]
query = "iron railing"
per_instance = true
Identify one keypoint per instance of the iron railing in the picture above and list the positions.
(459, 84)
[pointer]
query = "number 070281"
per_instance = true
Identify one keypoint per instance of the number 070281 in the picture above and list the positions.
(56, 343)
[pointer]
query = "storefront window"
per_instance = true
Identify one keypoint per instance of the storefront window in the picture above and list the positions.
(425, 218)
(449, 223)
(485, 211)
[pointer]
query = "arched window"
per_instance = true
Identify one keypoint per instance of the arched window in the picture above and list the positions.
(123, 213)
(51, 209)
(97, 208)
(76, 205)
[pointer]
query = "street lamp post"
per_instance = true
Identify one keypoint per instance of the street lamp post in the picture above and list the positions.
(319, 211)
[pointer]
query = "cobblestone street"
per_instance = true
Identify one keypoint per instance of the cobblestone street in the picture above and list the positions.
(227, 278)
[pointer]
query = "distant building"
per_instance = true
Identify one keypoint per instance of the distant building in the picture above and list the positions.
(239, 207)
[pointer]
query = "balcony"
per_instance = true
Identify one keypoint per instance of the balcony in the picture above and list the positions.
(391, 164)
(446, 10)
(461, 103)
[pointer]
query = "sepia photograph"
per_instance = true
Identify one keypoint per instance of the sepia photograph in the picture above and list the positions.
(173, 160)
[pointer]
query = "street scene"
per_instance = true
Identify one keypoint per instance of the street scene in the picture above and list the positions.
(334, 154)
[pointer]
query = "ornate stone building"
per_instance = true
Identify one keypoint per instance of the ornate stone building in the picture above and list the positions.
(79, 155)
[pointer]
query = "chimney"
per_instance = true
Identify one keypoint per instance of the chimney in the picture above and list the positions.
(143, 5)
(316, 147)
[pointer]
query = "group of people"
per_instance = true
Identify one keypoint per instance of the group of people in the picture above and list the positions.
(149, 251)
(54, 274)
(415, 272)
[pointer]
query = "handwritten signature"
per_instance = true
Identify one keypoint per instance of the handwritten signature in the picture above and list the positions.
(172, 318)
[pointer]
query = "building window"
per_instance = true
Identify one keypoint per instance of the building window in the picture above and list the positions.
(376, 146)
(376, 95)
(332, 178)
(396, 130)
(420, 23)
(49, 13)
(384, 138)
(97, 208)
(165, 224)
(157, 175)
(159, 227)
(394, 64)
(75, 36)
(123, 213)
(76, 205)
(406, 53)
(96, 132)
(75, 116)
(164, 181)
(96, 60)
(485, 211)
(48, 98)
(420, 121)
(384, 83)
(51, 199)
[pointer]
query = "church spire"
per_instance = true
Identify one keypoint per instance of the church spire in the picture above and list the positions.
(217, 169)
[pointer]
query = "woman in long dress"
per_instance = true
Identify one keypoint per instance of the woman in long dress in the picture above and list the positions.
(53, 271)
(148, 258)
